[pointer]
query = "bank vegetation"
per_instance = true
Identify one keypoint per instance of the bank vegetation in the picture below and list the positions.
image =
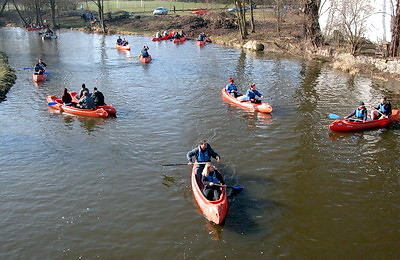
(7, 76)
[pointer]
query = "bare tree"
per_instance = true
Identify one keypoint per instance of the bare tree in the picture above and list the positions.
(100, 6)
(312, 29)
(252, 23)
(241, 14)
(394, 45)
(3, 7)
(19, 13)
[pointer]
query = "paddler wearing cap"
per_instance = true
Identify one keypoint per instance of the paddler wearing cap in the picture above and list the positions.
(360, 113)
(251, 95)
(232, 89)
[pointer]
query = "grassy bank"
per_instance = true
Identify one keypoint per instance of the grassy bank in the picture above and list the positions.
(7, 76)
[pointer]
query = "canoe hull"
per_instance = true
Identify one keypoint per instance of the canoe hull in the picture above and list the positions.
(263, 107)
(214, 211)
(201, 43)
(56, 103)
(164, 38)
(146, 59)
(122, 47)
(39, 78)
(110, 109)
(179, 40)
(346, 126)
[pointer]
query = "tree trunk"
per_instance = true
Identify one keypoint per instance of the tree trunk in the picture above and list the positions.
(53, 13)
(20, 15)
(252, 24)
(240, 12)
(394, 45)
(3, 7)
(312, 30)
(100, 6)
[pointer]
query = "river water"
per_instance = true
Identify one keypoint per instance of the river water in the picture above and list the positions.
(75, 187)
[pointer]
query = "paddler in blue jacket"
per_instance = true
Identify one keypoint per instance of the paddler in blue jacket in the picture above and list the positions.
(232, 89)
(360, 112)
(383, 109)
(203, 153)
(251, 95)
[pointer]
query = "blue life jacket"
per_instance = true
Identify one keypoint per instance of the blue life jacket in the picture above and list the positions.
(382, 108)
(203, 156)
(360, 112)
(145, 53)
(251, 94)
(212, 177)
(230, 87)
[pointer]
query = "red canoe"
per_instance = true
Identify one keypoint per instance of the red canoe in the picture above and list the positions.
(201, 43)
(123, 47)
(110, 109)
(56, 103)
(146, 59)
(164, 38)
(39, 78)
(214, 211)
(262, 107)
(180, 40)
(346, 126)
(34, 28)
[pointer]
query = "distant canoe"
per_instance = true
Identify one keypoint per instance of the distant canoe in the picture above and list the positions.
(146, 59)
(347, 126)
(39, 77)
(261, 107)
(123, 47)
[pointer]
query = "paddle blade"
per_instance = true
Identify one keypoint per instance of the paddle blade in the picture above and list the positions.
(47, 73)
(237, 188)
(334, 116)
(27, 68)
(52, 103)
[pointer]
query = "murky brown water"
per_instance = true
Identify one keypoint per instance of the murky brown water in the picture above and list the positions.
(95, 188)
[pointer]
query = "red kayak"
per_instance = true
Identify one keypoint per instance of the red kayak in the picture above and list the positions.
(261, 107)
(123, 47)
(180, 40)
(34, 28)
(56, 103)
(201, 43)
(164, 38)
(110, 109)
(39, 77)
(214, 211)
(146, 59)
(346, 126)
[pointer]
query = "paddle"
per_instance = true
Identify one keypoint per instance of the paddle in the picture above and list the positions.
(46, 72)
(52, 103)
(178, 164)
(236, 188)
(334, 116)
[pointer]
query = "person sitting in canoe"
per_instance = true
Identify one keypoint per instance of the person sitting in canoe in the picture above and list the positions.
(202, 37)
(165, 33)
(40, 67)
(232, 89)
(98, 98)
(124, 42)
(360, 113)
(212, 181)
(176, 35)
(382, 110)
(158, 34)
(86, 101)
(119, 40)
(202, 153)
(251, 95)
(144, 53)
(84, 88)
(66, 98)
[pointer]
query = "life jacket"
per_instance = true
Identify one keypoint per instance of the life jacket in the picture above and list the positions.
(360, 112)
(382, 108)
(212, 177)
(204, 156)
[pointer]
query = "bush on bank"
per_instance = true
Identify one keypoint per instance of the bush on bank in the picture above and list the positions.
(7, 76)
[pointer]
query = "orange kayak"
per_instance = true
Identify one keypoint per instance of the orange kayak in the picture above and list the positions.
(346, 126)
(146, 59)
(262, 107)
(39, 78)
(179, 40)
(214, 211)
(122, 47)
(110, 109)
(56, 103)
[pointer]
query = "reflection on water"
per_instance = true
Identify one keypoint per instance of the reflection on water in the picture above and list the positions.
(301, 183)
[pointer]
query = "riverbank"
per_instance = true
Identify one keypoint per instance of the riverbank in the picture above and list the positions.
(7, 76)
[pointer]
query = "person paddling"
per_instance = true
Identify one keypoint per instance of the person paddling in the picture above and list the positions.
(144, 53)
(40, 67)
(212, 181)
(382, 110)
(66, 98)
(360, 113)
(84, 88)
(98, 97)
(202, 154)
(251, 95)
(232, 89)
